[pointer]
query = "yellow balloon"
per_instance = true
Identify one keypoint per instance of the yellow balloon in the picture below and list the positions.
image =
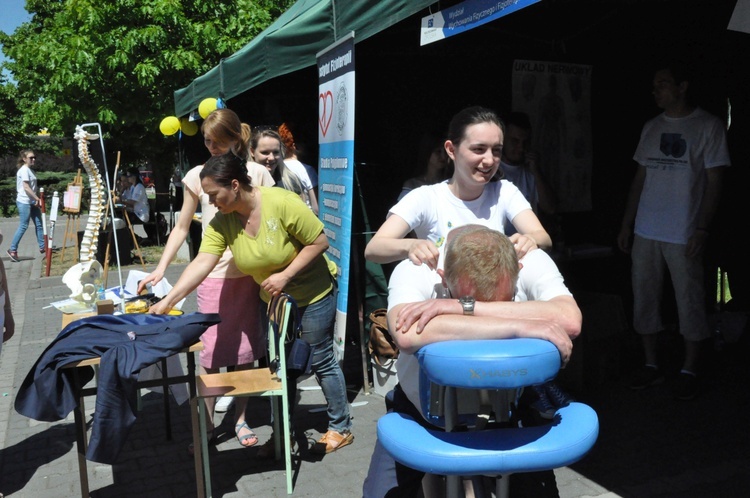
(188, 127)
(169, 125)
(206, 107)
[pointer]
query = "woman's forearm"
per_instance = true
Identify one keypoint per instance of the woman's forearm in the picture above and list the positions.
(306, 256)
(191, 277)
(30, 192)
(388, 243)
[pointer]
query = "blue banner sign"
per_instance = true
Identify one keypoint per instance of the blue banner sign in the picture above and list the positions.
(467, 15)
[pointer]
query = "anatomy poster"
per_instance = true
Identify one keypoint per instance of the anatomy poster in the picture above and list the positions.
(557, 98)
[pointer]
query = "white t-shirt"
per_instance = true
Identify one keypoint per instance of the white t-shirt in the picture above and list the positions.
(676, 152)
(137, 193)
(24, 174)
(538, 280)
(259, 175)
(299, 169)
(432, 210)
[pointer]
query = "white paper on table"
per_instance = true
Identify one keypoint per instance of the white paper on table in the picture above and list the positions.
(74, 306)
(160, 290)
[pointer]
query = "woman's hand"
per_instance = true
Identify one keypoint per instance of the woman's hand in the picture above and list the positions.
(523, 244)
(424, 251)
(275, 284)
(152, 278)
(160, 308)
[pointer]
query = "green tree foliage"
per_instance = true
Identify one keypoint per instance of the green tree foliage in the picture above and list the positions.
(11, 135)
(118, 62)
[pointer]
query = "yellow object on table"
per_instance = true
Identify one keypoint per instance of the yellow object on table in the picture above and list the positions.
(137, 306)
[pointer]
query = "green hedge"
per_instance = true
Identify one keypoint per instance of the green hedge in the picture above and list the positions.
(51, 181)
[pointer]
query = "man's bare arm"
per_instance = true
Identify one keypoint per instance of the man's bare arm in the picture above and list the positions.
(561, 310)
(449, 327)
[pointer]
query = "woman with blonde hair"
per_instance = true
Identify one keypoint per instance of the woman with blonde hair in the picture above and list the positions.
(238, 340)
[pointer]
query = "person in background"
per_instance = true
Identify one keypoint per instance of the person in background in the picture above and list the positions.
(238, 341)
(313, 174)
(135, 200)
(681, 157)
(122, 185)
(300, 169)
(438, 165)
(474, 144)
(28, 203)
(500, 298)
(7, 323)
(520, 166)
(267, 148)
(278, 240)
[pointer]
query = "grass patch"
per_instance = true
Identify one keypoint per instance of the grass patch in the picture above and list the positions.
(62, 261)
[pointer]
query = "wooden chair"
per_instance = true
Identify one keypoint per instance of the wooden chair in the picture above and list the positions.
(254, 382)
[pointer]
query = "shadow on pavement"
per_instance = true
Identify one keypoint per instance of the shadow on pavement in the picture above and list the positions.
(653, 445)
(21, 461)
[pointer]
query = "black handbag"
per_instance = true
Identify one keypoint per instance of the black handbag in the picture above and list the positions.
(299, 354)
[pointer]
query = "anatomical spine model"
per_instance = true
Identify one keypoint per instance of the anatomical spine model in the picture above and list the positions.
(83, 278)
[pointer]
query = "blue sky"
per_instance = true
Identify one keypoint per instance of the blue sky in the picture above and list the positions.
(13, 15)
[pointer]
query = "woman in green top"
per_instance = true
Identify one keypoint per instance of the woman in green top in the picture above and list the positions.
(278, 240)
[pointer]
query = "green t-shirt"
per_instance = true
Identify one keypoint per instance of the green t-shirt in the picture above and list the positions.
(286, 226)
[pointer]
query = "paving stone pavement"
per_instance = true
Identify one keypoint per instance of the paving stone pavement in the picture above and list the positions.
(649, 444)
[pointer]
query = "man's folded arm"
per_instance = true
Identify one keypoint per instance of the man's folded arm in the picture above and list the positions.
(561, 310)
(460, 327)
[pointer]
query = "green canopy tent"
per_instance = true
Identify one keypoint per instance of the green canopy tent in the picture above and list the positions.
(292, 42)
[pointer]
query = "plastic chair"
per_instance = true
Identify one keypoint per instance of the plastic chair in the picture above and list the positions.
(255, 382)
(449, 368)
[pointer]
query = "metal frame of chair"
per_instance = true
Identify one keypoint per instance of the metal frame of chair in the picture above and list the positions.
(464, 448)
(246, 383)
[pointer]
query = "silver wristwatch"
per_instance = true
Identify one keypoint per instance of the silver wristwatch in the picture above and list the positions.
(467, 302)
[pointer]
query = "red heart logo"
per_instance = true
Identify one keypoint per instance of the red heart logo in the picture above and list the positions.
(326, 114)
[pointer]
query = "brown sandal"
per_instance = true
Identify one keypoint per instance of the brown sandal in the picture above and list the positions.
(332, 441)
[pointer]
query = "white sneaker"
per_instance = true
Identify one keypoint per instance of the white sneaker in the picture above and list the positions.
(223, 404)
